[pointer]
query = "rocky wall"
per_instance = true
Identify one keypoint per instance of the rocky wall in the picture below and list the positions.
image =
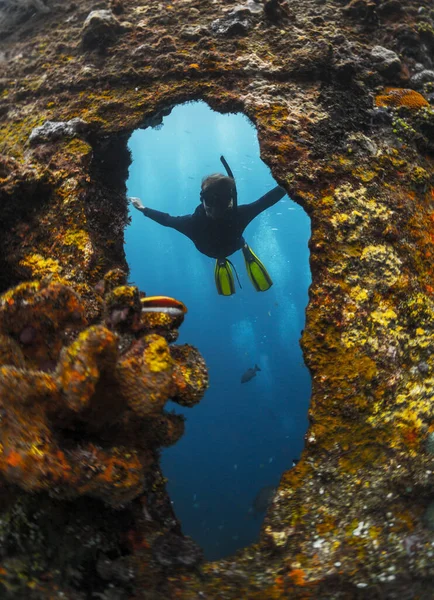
(341, 95)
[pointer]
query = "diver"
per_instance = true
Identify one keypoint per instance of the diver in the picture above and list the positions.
(216, 227)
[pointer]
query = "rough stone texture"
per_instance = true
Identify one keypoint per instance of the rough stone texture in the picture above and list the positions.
(51, 131)
(387, 61)
(354, 518)
(424, 76)
(14, 12)
(100, 29)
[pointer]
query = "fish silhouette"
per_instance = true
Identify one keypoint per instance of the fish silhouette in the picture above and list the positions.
(249, 374)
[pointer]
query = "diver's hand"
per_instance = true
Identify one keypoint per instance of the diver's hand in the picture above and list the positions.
(137, 204)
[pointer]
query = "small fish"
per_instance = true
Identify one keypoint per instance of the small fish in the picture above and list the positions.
(162, 304)
(249, 374)
(274, 229)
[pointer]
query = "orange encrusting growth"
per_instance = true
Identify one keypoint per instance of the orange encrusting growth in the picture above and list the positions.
(396, 97)
(84, 410)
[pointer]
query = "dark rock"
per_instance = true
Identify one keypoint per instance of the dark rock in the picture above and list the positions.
(117, 7)
(423, 368)
(55, 130)
(364, 11)
(276, 10)
(173, 549)
(119, 570)
(271, 9)
(386, 61)
(239, 20)
(390, 8)
(339, 39)
(422, 77)
(346, 70)
(409, 44)
(194, 34)
(380, 116)
(28, 334)
(16, 12)
(230, 27)
(100, 29)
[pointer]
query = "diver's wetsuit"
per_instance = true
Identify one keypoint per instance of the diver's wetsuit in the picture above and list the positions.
(217, 238)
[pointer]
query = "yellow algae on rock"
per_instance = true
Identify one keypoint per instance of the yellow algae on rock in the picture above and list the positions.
(157, 355)
(383, 264)
(358, 294)
(383, 317)
(41, 266)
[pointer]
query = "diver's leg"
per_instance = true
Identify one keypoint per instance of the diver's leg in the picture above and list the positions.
(256, 271)
(224, 278)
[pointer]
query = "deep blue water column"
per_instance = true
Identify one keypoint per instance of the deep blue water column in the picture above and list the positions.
(241, 437)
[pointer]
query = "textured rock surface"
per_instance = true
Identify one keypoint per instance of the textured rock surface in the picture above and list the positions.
(354, 518)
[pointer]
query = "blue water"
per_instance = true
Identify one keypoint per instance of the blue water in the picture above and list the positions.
(241, 437)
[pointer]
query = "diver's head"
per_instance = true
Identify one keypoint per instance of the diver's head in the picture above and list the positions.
(217, 195)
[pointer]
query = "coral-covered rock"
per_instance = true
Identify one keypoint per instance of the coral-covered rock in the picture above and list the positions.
(40, 317)
(353, 518)
(173, 549)
(85, 426)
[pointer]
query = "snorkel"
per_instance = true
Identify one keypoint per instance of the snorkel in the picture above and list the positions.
(231, 175)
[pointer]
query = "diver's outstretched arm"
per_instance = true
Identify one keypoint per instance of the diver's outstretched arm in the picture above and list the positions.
(181, 224)
(248, 212)
(137, 203)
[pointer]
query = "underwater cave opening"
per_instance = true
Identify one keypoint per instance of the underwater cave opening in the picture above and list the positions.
(242, 436)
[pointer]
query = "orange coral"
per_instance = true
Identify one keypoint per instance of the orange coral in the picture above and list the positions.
(39, 317)
(89, 423)
(396, 97)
